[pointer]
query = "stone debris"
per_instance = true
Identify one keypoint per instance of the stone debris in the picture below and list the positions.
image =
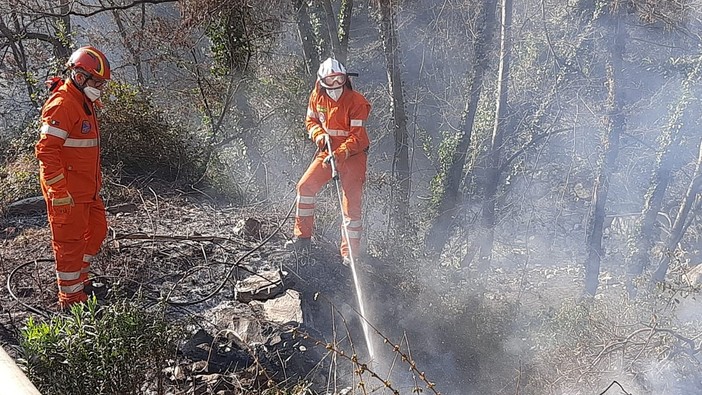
(260, 286)
(283, 309)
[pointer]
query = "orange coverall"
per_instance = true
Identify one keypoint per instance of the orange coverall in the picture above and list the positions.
(70, 176)
(344, 120)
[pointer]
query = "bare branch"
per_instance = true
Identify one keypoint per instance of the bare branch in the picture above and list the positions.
(95, 10)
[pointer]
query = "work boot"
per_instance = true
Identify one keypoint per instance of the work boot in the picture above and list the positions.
(95, 288)
(298, 244)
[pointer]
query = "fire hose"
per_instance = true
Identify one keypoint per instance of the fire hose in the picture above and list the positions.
(331, 160)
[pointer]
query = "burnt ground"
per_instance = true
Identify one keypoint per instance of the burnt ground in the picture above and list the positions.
(470, 331)
(463, 328)
(192, 253)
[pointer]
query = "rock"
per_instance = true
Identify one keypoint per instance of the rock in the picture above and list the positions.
(198, 367)
(212, 355)
(214, 384)
(260, 286)
(240, 324)
(122, 208)
(250, 227)
(283, 309)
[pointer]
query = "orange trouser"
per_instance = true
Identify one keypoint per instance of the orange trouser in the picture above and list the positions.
(352, 175)
(76, 236)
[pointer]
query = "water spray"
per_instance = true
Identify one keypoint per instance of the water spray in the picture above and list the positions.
(356, 282)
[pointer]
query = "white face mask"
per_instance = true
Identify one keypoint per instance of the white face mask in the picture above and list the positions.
(335, 93)
(92, 93)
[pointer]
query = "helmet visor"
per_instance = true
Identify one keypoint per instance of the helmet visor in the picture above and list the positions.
(334, 80)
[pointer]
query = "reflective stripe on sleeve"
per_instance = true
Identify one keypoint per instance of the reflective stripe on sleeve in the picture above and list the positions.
(55, 179)
(338, 133)
(314, 130)
(356, 122)
(68, 276)
(53, 131)
(81, 143)
(304, 212)
(70, 289)
(88, 258)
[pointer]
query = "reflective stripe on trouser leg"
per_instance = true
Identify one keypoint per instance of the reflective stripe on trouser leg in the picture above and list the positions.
(310, 183)
(68, 269)
(97, 230)
(68, 242)
(85, 269)
(353, 175)
(354, 230)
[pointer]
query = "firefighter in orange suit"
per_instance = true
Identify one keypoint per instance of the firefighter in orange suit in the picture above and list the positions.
(338, 114)
(69, 159)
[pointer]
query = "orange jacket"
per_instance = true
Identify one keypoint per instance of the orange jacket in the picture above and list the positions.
(69, 147)
(344, 120)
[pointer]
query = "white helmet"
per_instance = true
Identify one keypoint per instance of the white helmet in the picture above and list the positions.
(331, 74)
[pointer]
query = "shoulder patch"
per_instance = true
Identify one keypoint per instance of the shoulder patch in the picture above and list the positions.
(85, 128)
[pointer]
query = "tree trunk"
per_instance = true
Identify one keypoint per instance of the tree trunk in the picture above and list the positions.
(401, 170)
(134, 50)
(678, 229)
(306, 33)
(321, 28)
(330, 20)
(344, 29)
(639, 259)
(615, 124)
(440, 228)
(62, 47)
(498, 132)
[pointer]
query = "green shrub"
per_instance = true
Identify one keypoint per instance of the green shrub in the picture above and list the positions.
(137, 140)
(113, 350)
(19, 179)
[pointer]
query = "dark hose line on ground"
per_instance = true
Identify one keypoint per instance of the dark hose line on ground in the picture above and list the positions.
(232, 268)
(612, 385)
(29, 307)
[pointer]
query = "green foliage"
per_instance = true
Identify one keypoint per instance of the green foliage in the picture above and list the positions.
(113, 350)
(444, 156)
(230, 46)
(137, 139)
(19, 179)
(238, 34)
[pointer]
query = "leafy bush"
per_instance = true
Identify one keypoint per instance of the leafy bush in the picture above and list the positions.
(19, 170)
(19, 179)
(114, 350)
(137, 140)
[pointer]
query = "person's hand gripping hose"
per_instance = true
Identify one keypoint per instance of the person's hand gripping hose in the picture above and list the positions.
(332, 161)
(322, 142)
